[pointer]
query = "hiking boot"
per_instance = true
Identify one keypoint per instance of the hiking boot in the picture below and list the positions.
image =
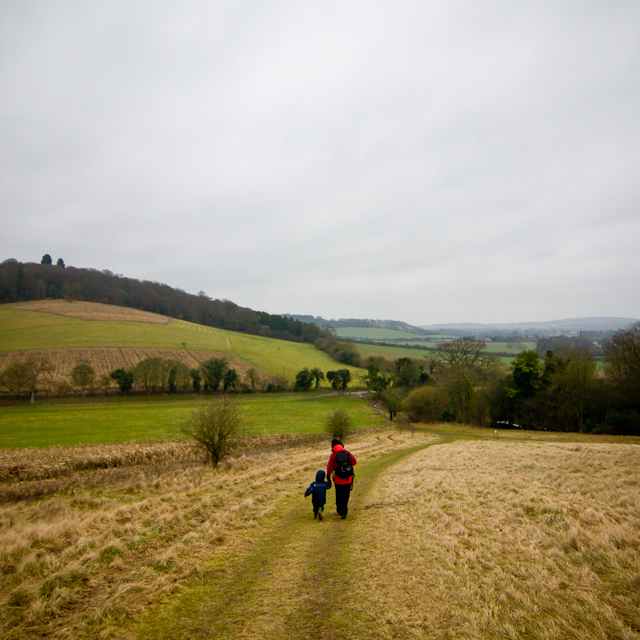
(315, 515)
(320, 516)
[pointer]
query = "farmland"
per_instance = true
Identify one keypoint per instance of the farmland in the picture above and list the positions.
(381, 334)
(105, 336)
(528, 535)
(392, 353)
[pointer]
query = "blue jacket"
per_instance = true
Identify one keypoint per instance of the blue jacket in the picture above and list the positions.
(318, 490)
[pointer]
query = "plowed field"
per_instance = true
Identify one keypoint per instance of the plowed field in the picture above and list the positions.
(106, 359)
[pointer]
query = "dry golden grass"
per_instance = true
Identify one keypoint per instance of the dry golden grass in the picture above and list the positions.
(473, 539)
(91, 311)
(110, 541)
(501, 540)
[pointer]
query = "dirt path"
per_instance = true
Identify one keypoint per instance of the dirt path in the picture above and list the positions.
(287, 576)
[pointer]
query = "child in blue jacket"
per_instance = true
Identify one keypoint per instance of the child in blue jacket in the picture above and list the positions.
(318, 492)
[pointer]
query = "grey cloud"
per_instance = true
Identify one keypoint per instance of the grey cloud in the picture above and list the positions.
(442, 161)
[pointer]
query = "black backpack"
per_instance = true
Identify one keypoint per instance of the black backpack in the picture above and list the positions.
(344, 468)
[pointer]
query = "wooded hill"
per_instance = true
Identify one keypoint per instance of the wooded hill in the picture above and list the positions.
(390, 325)
(29, 281)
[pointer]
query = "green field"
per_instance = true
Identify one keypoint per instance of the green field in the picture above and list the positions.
(379, 333)
(42, 426)
(510, 347)
(21, 329)
(393, 353)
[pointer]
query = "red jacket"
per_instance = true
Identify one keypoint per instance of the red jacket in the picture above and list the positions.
(331, 465)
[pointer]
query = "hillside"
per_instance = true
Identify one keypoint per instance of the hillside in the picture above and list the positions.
(355, 328)
(108, 337)
(30, 282)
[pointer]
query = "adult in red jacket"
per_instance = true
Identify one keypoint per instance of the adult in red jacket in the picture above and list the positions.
(342, 486)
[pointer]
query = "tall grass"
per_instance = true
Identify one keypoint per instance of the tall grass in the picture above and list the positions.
(108, 542)
(507, 540)
(479, 539)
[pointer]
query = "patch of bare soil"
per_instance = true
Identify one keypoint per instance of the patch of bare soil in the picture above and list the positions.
(92, 311)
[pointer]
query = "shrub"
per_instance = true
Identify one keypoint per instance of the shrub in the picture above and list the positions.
(425, 404)
(214, 425)
(338, 424)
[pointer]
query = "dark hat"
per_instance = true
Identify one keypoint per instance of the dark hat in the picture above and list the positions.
(334, 442)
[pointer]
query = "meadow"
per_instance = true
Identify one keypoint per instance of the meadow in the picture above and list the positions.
(122, 421)
(451, 533)
(379, 333)
(392, 353)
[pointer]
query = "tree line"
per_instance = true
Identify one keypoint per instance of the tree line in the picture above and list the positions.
(30, 281)
(151, 376)
(154, 375)
(562, 390)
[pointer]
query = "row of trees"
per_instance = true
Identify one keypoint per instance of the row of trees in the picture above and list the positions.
(152, 376)
(345, 352)
(30, 281)
(307, 378)
(156, 375)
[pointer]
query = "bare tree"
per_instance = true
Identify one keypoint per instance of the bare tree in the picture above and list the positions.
(622, 354)
(338, 424)
(214, 425)
(463, 352)
(83, 375)
(23, 377)
(16, 378)
(252, 377)
(575, 382)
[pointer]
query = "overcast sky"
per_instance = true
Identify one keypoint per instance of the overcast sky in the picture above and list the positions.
(420, 161)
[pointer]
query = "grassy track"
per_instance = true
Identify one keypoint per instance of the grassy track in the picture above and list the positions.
(284, 581)
(522, 560)
(43, 426)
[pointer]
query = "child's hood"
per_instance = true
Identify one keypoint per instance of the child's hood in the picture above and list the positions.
(337, 447)
(320, 476)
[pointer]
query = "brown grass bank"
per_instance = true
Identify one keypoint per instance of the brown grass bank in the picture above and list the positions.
(501, 539)
(110, 537)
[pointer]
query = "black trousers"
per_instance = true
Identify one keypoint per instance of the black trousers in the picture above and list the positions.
(343, 491)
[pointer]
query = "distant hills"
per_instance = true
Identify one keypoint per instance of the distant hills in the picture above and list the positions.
(393, 325)
(569, 326)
